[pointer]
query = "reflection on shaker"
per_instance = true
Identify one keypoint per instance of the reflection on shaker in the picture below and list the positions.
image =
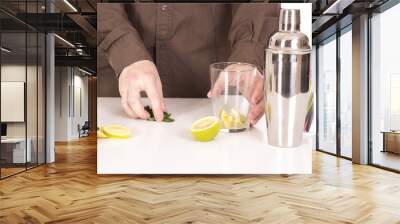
(287, 75)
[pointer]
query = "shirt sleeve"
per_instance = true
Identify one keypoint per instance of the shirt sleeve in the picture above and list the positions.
(118, 38)
(251, 27)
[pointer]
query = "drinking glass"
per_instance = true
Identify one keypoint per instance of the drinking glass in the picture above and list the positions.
(231, 88)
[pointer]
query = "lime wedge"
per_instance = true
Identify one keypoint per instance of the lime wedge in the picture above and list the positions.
(100, 134)
(235, 114)
(239, 124)
(205, 129)
(239, 119)
(116, 131)
(227, 120)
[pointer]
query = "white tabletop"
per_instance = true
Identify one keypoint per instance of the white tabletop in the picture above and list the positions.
(168, 148)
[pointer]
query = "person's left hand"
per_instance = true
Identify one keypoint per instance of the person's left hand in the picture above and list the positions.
(255, 95)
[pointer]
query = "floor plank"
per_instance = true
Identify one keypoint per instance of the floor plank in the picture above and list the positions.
(70, 191)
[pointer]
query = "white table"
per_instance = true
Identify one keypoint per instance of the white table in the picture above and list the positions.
(168, 148)
(19, 155)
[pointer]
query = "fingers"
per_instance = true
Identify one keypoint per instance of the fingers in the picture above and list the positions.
(250, 86)
(160, 93)
(258, 90)
(156, 100)
(257, 102)
(164, 107)
(136, 105)
(219, 85)
(257, 118)
(135, 78)
(256, 112)
(123, 90)
(127, 108)
(257, 107)
(224, 80)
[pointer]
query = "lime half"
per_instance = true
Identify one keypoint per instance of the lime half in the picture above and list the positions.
(205, 129)
(116, 131)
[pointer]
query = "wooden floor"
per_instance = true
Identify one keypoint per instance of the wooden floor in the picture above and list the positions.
(5, 172)
(69, 191)
(9, 171)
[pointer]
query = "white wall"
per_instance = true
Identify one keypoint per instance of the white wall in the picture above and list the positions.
(62, 81)
(12, 73)
(12, 101)
(70, 81)
(80, 84)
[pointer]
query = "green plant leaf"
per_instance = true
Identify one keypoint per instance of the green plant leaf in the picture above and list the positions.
(167, 116)
(168, 120)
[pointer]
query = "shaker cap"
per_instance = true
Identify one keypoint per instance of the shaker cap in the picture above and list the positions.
(289, 38)
(289, 20)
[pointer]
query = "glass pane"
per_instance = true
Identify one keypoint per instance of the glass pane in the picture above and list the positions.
(13, 87)
(346, 94)
(41, 98)
(32, 98)
(385, 84)
(32, 88)
(327, 96)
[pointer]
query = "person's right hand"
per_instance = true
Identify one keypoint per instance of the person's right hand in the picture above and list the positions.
(251, 84)
(135, 78)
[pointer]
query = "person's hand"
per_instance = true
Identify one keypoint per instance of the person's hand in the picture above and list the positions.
(254, 94)
(251, 87)
(257, 104)
(135, 78)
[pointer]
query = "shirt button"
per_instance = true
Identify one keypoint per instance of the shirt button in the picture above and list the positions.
(164, 8)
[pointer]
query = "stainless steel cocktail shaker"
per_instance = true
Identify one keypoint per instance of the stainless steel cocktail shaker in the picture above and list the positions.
(287, 73)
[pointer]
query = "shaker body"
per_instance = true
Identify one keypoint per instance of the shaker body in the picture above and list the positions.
(287, 84)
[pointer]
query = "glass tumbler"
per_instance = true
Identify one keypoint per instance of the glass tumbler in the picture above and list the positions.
(231, 89)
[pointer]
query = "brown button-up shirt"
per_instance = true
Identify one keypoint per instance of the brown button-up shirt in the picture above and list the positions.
(183, 39)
